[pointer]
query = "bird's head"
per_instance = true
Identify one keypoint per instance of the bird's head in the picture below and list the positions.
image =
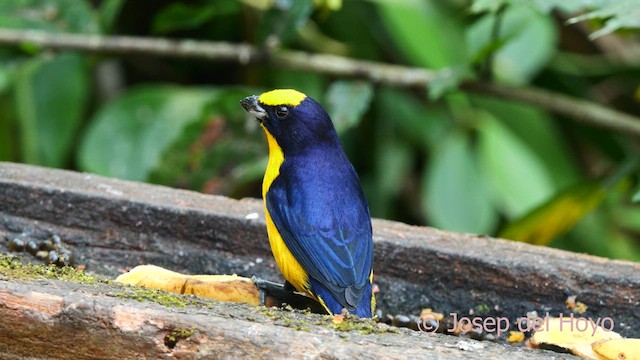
(294, 120)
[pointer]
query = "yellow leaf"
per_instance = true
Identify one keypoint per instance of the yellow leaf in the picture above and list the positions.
(515, 336)
(580, 308)
(428, 313)
(230, 288)
(618, 349)
(575, 334)
(556, 216)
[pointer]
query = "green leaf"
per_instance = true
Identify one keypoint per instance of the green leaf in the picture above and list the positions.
(108, 14)
(540, 133)
(617, 14)
(423, 124)
(516, 175)
(179, 16)
(8, 118)
(557, 215)
(52, 15)
(393, 161)
(446, 80)
(347, 102)
(5, 78)
(427, 32)
(358, 15)
(543, 6)
(220, 153)
(51, 97)
(528, 41)
(8, 125)
(310, 83)
(596, 234)
(624, 246)
(282, 20)
(454, 195)
(310, 36)
(326, 6)
(250, 170)
(393, 165)
(127, 137)
(636, 196)
(480, 6)
(627, 217)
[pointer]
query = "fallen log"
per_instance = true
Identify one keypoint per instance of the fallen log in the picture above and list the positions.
(62, 320)
(113, 225)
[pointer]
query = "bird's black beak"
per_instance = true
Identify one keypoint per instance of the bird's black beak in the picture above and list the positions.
(250, 104)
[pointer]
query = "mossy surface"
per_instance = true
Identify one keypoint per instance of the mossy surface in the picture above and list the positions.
(302, 320)
(182, 333)
(177, 334)
(295, 319)
(162, 297)
(363, 326)
(13, 268)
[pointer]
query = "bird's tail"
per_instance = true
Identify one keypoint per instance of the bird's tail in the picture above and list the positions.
(365, 306)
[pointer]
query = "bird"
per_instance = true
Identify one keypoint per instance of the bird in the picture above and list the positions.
(317, 217)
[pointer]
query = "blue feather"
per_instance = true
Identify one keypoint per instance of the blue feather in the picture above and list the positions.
(316, 203)
(319, 209)
(363, 309)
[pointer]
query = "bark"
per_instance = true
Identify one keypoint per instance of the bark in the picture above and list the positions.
(113, 225)
(61, 320)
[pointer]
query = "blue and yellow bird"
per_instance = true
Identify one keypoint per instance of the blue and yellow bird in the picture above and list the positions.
(317, 217)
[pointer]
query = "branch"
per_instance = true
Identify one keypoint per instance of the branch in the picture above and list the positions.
(579, 110)
(132, 45)
(211, 50)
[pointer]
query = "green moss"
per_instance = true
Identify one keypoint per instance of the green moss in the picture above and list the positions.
(163, 298)
(271, 312)
(289, 317)
(11, 267)
(181, 333)
(302, 321)
(152, 295)
(363, 326)
(297, 324)
(177, 334)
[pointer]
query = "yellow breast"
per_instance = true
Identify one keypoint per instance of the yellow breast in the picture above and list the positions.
(287, 263)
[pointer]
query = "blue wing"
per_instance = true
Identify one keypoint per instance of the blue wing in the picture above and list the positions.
(325, 223)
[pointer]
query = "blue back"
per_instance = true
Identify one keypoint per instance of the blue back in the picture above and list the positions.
(318, 206)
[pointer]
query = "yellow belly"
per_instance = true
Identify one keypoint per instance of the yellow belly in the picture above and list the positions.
(287, 263)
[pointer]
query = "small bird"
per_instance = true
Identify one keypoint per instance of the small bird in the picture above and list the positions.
(317, 216)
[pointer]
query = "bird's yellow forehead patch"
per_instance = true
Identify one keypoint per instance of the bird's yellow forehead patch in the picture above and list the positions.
(282, 97)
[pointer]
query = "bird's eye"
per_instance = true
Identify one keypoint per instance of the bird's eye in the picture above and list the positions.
(282, 112)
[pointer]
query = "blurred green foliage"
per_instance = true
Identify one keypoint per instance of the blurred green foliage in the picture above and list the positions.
(441, 156)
